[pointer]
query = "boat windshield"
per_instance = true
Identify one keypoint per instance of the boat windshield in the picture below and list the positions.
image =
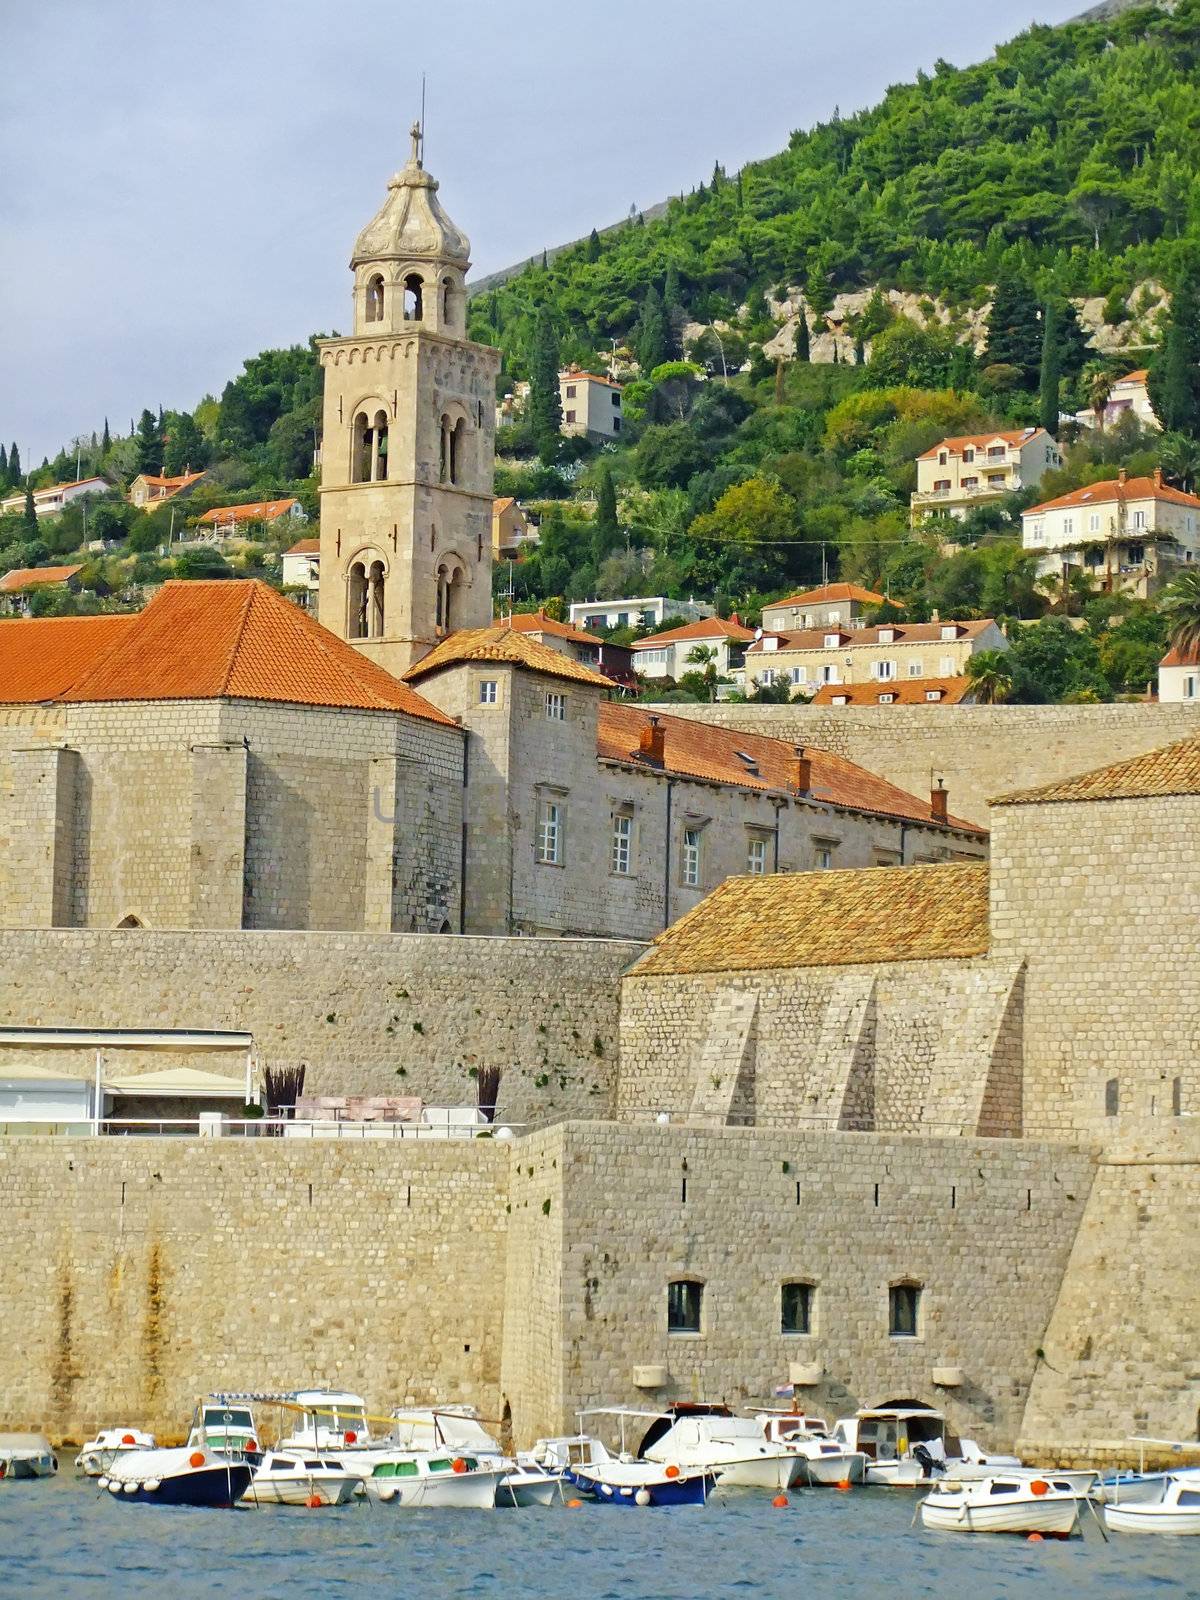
(228, 1419)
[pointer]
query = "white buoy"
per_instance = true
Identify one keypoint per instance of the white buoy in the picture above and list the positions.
(152, 1484)
(642, 1497)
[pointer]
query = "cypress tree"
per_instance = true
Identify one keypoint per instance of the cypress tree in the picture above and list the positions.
(149, 444)
(652, 333)
(1050, 376)
(3, 465)
(1014, 330)
(545, 403)
(606, 531)
(29, 515)
(801, 337)
(860, 352)
(105, 439)
(592, 250)
(1175, 376)
(14, 466)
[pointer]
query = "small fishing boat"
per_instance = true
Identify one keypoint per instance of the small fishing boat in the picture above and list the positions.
(625, 1481)
(735, 1449)
(822, 1460)
(1004, 1504)
(529, 1483)
(98, 1454)
(410, 1479)
(909, 1445)
(189, 1476)
(225, 1426)
(26, 1455)
(1167, 1502)
(293, 1478)
(459, 1430)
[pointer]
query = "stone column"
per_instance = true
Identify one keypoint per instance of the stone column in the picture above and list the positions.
(41, 844)
(218, 856)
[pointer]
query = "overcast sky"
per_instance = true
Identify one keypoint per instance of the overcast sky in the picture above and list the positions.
(181, 182)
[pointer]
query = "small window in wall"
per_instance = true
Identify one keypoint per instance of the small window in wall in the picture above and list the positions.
(550, 833)
(375, 299)
(622, 844)
(488, 691)
(824, 857)
(570, 391)
(1112, 1097)
(685, 1303)
(556, 707)
(796, 1308)
(756, 857)
(569, 416)
(691, 857)
(914, 669)
(904, 1310)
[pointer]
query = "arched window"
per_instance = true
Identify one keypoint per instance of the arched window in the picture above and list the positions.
(796, 1307)
(446, 607)
(379, 461)
(361, 444)
(356, 624)
(131, 922)
(458, 440)
(375, 601)
(904, 1309)
(447, 301)
(375, 299)
(413, 287)
(685, 1306)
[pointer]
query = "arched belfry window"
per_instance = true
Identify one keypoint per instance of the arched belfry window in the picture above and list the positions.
(365, 600)
(375, 298)
(449, 581)
(447, 301)
(375, 601)
(413, 288)
(356, 621)
(453, 453)
(361, 449)
(379, 460)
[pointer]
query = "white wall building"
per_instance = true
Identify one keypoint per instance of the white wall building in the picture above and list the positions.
(1128, 395)
(641, 611)
(591, 405)
(665, 655)
(1131, 532)
(50, 501)
(972, 469)
(301, 565)
(1179, 675)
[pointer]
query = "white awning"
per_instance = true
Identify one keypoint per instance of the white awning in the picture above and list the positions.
(127, 1038)
(182, 1082)
(32, 1072)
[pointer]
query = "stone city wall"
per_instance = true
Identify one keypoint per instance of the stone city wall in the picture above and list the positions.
(980, 751)
(369, 1014)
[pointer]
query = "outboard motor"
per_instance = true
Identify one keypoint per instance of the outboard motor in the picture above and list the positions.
(930, 1465)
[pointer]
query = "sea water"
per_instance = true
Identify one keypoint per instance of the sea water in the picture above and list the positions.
(64, 1539)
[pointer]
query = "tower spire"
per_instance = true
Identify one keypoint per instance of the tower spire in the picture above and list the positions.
(418, 140)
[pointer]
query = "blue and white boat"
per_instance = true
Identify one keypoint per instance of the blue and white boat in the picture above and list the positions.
(624, 1480)
(188, 1476)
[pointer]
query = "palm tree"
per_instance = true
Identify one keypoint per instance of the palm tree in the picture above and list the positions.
(991, 677)
(705, 655)
(1181, 459)
(1099, 391)
(1180, 604)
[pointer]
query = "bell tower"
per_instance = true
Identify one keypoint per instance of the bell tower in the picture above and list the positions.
(408, 438)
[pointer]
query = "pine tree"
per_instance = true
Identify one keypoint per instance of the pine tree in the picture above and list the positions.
(545, 403)
(741, 198)
(801, 336)
(105, 439)
(1175, 376)
(592, 249)
(14, 466)
(1014, 330)
(1050, 376)
(29, 515)
(1074, 351)
(149, 443)
(652, 333)
(545, 260)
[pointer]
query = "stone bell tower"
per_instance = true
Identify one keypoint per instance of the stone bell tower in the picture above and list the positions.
(408, 438)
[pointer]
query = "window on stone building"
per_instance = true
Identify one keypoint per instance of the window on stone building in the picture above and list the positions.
(556, 707)
(550, 833)
(1112, 1097)
(904, 1310)
(756, 856)
(914, 669)
(379, 454)
(885, 669)
(1176, 1097)
(447, 300)
(413, 290)
(569, 416)
(796, 1308)
(622, 844)
(823, 856)
(570, 391)
(946, 667)
(375, 298)
(685, 1305)
(356, 621)
(375, 587)
(360, 449)
(488, 692)
(799, 674)
(691, 857)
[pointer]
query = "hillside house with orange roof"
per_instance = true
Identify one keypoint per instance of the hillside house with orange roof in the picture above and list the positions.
(511, 529)
(1130, 534)
(614, 661)
(973, 469)
(300, 568)
(1128, 397)
(667, 655)
(591, 405)
(845, 604)
(227, 519)
(149, 491)
(18, 585)
(883, 656)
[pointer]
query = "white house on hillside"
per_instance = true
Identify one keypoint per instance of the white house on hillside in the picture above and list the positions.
(1128, 395)
(972, 469)
(665, 655)
(640, 611)
(49, 502)
(1131, 532)
(591, 405)
(1179, 675)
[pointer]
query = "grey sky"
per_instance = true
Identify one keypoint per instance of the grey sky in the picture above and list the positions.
(182, 182)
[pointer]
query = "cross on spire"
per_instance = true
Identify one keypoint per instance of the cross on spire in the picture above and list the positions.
(418, 140)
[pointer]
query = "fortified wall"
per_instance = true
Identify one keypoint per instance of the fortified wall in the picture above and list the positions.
(980, 751)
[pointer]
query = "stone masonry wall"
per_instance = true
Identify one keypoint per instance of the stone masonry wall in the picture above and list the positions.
(980, 751)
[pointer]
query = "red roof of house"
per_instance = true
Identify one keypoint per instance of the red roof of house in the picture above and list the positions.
(1175, 657)
(502, 504)
(1110, 489)
(1140, 376)
(574, 375)
(694, 749)
(706, 628)
(304, 547)
(35, 577)
(260, 511)
(902, 633)
(981, 440)
(539, 622)
(902, 692)
(180, 482)
(41, 658)
(828, 593)
(214, 639)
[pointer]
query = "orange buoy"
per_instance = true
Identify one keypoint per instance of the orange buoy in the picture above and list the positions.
(350, 1436)
(252, 1445)
(780, 1500)
(843, 1484)
(458, 1464)
(574, 1505)
(671, 1472)
(314, 1500)
(196, 1459)
(1039, 1486)
(127, 1438)
(1035, 1538)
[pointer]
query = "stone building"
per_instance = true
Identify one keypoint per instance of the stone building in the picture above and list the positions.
(890, 653)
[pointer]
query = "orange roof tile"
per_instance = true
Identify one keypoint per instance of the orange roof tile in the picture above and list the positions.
(575, 375)
(1174, 769)
(539, 622)
(694, 749)
(1140, 375)
(903, 692)
(240, 640)
(41, 658)
(1175, 657)
(706, 628)
(980, 440)
(179, 482)
(501, 505)
(1115, 489)
(505, 646)
(829, 919)
(35, 577)
(304, 547)
(830, 592)
(904, 633)
(260, 511)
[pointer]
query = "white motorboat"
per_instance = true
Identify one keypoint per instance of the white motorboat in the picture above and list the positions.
(226, 1426)
(530, 1484)
(460, 1431)
(98, 1454)
(189, 1476)
(412, 1478)
(26, 1455)
(1167, 1502)
(1004, 1504)
(909, 1445)
(735, 1449)
(295, 1478)
(822, 1460)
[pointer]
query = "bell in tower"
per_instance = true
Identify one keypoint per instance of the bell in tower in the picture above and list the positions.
(408, 438)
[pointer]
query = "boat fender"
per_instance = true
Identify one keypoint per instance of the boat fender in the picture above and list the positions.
(1039, 1486)
(606, 1488)
(671, 1472)
(54, 1462)
(196, 1459)
(113, 1486)
(101, 1481)
(131, 1487)
(387, 1494)
(458, 1465)
(252, 1446)
(152, 1485)
(642, 1497)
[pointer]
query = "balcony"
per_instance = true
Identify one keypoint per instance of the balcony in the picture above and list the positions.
(980, 491)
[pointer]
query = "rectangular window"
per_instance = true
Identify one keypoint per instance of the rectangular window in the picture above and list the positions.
(1094, 522)
(795, 1308)
(767, 676)
(933, 694)
(914, 669)
(829, 674)
(570, 391)
(799, 674)
(886, 699)
(968, 454)
(488, 692)
(887, 635)
(831, 641)
(569, 417)
(824, 857)
(946, 667)
(691, 858)
(616, 424)
(996, 452)
(904, 1310)
(756, 859)
(949, 631)
(550, 833)
(684, 1306)
(970, 483)
(885, 669)
(1189, 688)
(622, 844)
(1139, 519)
(616, 398)
(1068, 524)
(556, 707)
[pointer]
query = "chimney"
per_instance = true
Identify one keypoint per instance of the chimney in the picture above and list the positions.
(1158, 477)
(938, 801)
(652, 741)
(1121, 475)
(801, 767)
(733, 617)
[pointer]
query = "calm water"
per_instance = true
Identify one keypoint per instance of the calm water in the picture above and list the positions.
(64, 1538)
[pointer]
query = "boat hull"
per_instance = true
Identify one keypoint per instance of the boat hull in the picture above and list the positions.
(1057, 1515)
(329, 1490)
(688, 1489)
(1161, 1519)
(530, 1491)
(39, 1466)
(759, 1472)
(217, 1487)
(459, 1491)
(831, 1470)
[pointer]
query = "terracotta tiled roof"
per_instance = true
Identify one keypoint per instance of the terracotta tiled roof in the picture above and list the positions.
(1139, 376)
(904, 692)
(35, 577)
(706, 628)
(1173, 769)
(695, 749)
(240, 640)
(1175, 657)
(827, 594)
(260, 511)
(180, 482)
(502, 505)
(41, 658)
(1112, 489)
(903, 632)
(539, 622)
(825, 919)
(502, 644)
(576, 376)
(304, 547)
(980, 441)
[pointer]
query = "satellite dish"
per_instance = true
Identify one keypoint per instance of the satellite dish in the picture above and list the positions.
(758, 633)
